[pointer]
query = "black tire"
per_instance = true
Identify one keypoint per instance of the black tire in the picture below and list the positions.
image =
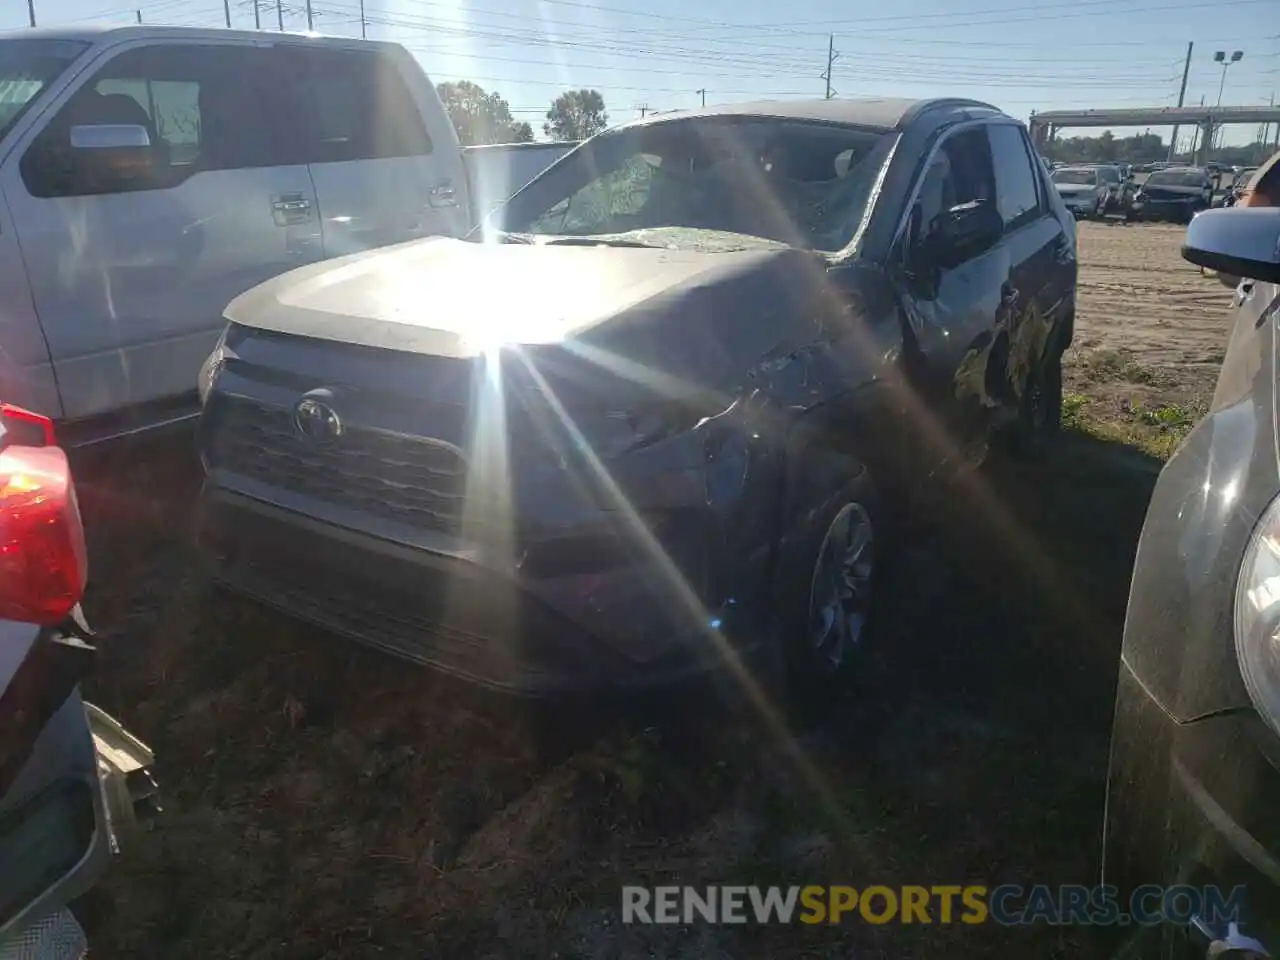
(1040, 409)
(829, 603)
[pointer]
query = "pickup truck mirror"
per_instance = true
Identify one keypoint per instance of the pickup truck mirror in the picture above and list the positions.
(110, 136)
(1236, 241)
(112, 153)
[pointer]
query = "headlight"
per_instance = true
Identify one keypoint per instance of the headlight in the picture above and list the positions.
(1257, 616)
(211, 367)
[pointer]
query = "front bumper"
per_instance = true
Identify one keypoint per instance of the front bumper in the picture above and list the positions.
(545, 636)
(1192, 804)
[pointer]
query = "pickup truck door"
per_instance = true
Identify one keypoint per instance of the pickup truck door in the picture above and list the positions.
(53, 829)
(384, 159)
(130, 270)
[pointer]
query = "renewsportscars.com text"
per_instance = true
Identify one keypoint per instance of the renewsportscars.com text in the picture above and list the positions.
(1008, 905)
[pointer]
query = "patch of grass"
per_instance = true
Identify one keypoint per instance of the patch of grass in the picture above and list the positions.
(1100, 366)
(1156, 431)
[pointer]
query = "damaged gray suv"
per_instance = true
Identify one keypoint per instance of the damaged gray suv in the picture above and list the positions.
(646, 422)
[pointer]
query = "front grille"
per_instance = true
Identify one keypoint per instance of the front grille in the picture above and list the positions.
(415, 481)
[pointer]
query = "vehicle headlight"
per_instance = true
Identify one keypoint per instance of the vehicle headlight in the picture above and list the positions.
(1257, 616)
(211, 367)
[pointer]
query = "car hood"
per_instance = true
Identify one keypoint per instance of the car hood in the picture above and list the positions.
(690, 313)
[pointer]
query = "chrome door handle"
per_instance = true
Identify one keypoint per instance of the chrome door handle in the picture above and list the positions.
(442, 195)
(290, 208)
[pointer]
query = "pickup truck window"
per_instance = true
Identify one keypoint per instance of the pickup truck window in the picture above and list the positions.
(26, 68)
(198, 109)
(361, 109)
(806, 184)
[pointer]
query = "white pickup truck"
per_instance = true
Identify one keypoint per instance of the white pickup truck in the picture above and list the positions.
(149, 175)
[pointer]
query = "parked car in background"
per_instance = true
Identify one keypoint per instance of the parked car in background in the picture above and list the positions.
(1195, 754)
(1120, 188)
(72, 780)
(672, 383)
(1083, 190)
(1239, 185)
(1177, 194)
(152, 174)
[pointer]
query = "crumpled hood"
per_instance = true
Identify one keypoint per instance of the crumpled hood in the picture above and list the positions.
(688, 313)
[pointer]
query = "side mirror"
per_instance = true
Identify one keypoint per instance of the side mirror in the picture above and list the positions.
(1236, 241)
(110, 136)
(968, 229)
(112, 153)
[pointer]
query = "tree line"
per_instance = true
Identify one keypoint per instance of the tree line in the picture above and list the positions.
(1145, 147)
(483, 117)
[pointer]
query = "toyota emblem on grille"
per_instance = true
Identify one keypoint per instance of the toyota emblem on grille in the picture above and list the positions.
(316, 420)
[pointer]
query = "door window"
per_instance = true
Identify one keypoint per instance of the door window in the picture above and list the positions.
(198, 111)
(361, 109)
(1017, 196)
(958, 173)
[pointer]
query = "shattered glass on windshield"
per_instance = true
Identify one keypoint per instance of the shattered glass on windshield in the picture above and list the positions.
(805, 184)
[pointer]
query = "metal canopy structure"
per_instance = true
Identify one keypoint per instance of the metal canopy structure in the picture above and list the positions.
(1045, 126)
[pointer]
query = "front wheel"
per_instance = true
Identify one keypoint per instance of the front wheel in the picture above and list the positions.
(830, 601)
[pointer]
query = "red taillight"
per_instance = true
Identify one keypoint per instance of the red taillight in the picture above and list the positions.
(18, 426)
(42, 555)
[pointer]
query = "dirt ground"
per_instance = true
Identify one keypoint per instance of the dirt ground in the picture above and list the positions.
(1150, 334)
(322, 801)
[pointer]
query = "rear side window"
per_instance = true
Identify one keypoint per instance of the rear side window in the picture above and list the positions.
(1017, 196)
(198, 110)
(361, 109)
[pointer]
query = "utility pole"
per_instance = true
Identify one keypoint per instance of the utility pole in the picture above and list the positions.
(1182, 94)
(31, 11)
(1266, 127)
(310, 26)
(703, 94)
(832, 56)
(139, 13)
(363, 22)
(280, 15)
(257, 16)
(226, 12)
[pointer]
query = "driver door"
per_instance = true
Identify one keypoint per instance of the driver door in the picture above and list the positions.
(952, 309)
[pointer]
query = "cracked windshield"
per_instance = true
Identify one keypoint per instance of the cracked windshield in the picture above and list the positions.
(617, 480)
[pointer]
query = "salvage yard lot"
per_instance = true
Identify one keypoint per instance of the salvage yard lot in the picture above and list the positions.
(324, 801)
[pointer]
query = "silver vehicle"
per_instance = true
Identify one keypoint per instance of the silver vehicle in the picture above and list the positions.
(152, 174)
(1195, 748)
(1083, 189)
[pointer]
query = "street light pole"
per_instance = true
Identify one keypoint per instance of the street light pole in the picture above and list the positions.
(1220, 56)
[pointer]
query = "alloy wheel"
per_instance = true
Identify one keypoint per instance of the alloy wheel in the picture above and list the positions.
(840, 593)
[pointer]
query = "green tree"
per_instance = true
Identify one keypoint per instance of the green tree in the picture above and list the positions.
(576, 115)
(481, 117)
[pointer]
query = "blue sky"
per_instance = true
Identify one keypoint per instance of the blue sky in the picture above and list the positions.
(1020, 55)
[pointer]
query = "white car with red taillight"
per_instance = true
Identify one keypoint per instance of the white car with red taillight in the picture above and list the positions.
(69, 774)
